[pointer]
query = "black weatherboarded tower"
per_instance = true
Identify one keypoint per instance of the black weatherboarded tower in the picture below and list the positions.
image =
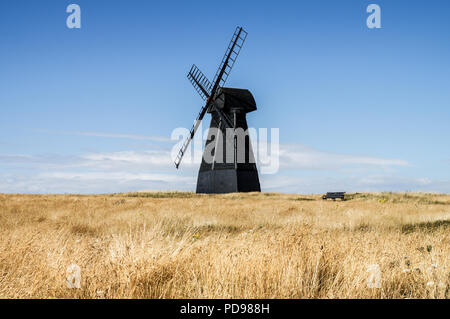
(228, 164)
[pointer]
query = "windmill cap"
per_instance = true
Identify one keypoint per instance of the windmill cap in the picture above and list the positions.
(235, 99)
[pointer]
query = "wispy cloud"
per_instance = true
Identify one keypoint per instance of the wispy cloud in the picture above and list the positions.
(367, 183)
(126, 136)
(112, 135)
(295, 156)
(292, 157)
(303, 169)
(154, 159)
(89, 183)
(115, 176)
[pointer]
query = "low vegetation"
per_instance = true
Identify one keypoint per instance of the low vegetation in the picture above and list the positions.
(184, 245)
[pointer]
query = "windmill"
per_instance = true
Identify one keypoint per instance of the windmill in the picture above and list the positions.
(228, 164)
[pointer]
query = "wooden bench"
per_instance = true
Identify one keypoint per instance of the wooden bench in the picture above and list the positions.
(334, 195)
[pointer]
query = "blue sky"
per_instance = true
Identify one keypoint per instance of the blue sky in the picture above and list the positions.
(92, 110)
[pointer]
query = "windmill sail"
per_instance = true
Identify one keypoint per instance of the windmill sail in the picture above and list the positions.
(208, 90)
(229, 58)
(194, 128)
(200, 82)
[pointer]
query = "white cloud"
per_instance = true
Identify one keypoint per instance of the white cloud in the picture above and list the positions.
(293, 156)
(115, 176)
(370, 183)
(302, 169)
(149, 159)
(112, 135)
(88, 183)
(127, 136)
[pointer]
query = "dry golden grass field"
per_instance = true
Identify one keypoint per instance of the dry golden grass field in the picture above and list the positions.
(183, 245)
